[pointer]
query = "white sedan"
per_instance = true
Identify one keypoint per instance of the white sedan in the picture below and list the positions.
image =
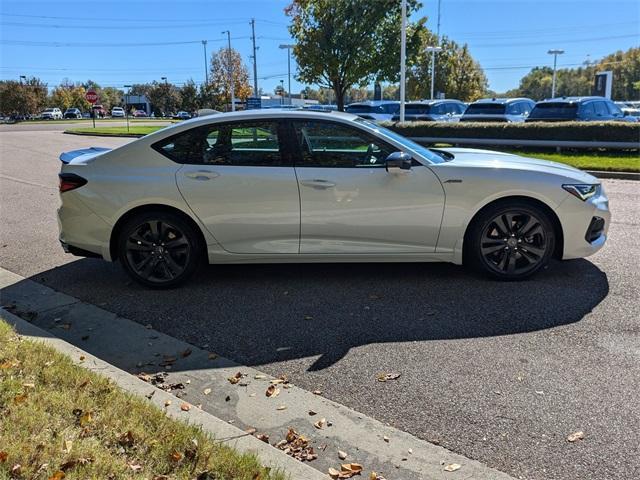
(306, 186)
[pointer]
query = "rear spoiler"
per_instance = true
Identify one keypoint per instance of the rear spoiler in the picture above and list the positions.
(66, 157)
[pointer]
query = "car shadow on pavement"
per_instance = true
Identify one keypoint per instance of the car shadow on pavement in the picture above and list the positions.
(261, 314)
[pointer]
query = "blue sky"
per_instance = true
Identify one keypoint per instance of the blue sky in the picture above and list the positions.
(75, 39)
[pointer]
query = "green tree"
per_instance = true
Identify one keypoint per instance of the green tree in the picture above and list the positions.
(164, 96)
(189, 97)
(67, 95)
(22, 98)
(342, 43)
(220, 86)
(458, 75)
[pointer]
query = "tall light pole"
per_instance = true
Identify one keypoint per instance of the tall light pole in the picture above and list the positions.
(433, 51)
(288, 46)
(206, 66)
(255, 59)
(555, 53)
(281, 92)
(230, 60)
(403, 49)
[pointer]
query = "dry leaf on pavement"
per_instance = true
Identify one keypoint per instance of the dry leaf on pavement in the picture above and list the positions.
(207, 391)
(342, 455)
(386, 376)
(452, 467)
(281, 407)
(263, 436)
(574, 437)
(272, 391)
(185, 407)
(320, 423)
(236, 378)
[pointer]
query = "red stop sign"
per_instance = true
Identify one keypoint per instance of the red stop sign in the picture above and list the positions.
(91, 96)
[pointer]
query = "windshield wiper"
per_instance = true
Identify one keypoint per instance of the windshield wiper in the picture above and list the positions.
(446, 156)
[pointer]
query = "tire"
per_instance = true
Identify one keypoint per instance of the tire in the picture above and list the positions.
(159, 249)
(510, 240)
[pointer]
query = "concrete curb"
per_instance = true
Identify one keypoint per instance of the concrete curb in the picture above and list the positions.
(116, 135)
(222, 431)
(614, 175)
(126, 346)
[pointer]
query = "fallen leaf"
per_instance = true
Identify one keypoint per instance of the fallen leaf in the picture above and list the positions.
(259, 376)
(410, 451)
(386, 376)
(206, 391)
(29, 385)
(150, 394)
(68, 445)
(312, 412)
(59, 475)
(263, 436)
(176, 456)
(386, 439)
(308, 317)
(277, 381)
(85, 419)
(20, 398)
(186, 353)
(167, 403)
(272, 391)
(333, 473)
(82, 358)
(84, 383)
(250, 431)
(452, 467)
(185, 407)
(281, 407)
(317, 392)
(236, 378)
(212, 356)
(574, 437)
(342, 455)
(135, 467)
(3, 457)
(16, 469)
(148, 326)
(320, 423)
(126, 439)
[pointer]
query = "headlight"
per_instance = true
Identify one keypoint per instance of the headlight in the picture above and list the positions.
(582, 191)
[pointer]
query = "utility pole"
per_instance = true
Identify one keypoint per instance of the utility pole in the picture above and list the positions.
(288, 46)
(206, 66)
(433, 52)
(255, 60)
(403, 48)
(555, 53)
(230, 60)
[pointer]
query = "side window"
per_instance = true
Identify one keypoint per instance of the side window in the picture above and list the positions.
(601, 109)
(391, 108)
(614, 110)
(514, 109)
(527, 107)
(334, 145)
(461, 108)
(239, 144)
(439, 109)
(587, 110)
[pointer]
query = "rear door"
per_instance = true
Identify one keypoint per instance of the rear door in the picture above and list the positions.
(241, 185)
(350, 204)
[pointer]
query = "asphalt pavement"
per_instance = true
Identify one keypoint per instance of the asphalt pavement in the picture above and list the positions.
(498, 372)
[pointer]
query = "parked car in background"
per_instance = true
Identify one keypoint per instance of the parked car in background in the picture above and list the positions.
(376, 110)
(630, 109)
(51, 114)
(117, 112)
(182, 115)
(586, 109)
(140, 113)
(432, 111)
(98, 111)
(72, 113)
(321, 108)
(511, 110)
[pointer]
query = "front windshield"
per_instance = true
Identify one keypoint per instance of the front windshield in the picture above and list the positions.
(485, 108)
(363, 109)
(409, 144)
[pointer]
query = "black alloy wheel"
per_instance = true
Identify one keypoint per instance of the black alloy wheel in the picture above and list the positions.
(159, 250)
(512, 242)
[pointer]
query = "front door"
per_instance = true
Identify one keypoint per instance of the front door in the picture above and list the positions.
(350, 204)
(240, 184)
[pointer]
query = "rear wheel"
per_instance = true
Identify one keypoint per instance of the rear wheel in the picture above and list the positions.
(511, 241)
(159, 249)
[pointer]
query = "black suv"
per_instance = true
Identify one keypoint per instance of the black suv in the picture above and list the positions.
(587, 109)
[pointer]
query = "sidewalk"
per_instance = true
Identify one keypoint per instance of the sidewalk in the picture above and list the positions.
(233, 393)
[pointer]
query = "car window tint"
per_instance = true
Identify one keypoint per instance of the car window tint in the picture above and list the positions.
(614, 109)
(587, 110)
(601, 109)
(333, 145)
(439, 109)
(514, 109)
(240, 144)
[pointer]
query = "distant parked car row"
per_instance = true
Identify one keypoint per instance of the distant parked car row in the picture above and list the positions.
(510, 110)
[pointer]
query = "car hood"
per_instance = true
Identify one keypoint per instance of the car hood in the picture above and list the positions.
(470, 157)
(83, 155)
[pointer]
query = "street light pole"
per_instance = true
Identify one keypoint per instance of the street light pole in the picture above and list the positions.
(255, 59)
(555, 53)
(403, 48)
(433, 51)
(206, 67)
(281, 91)
(230, 60)
(288, 46)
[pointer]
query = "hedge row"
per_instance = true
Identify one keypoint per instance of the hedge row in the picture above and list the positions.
(576, 131)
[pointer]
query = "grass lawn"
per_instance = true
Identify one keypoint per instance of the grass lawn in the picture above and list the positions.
(629, 162)
(117, 131)
(59, 420)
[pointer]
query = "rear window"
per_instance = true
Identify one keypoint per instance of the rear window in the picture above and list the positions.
(554, 110)
(364, 109)
(417, 109)
(485, 108)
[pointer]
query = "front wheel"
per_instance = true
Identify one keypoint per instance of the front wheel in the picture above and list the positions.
(511, 241)
(159, 249)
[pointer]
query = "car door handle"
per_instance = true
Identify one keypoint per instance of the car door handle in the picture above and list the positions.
(318, 183)
(202, 175)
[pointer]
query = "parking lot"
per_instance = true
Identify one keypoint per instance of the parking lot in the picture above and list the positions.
(498, 372)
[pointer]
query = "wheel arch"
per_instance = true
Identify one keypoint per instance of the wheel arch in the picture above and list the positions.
(154, 207)
(555, 221)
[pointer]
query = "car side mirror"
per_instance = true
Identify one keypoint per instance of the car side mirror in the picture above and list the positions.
(398, 161)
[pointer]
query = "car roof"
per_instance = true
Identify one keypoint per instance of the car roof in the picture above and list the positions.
(501, 101)
(374, 103)
(571, 99)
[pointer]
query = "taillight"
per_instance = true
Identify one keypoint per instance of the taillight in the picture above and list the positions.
(70, 181)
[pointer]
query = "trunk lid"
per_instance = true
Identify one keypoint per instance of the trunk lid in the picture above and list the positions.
(82, 155)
